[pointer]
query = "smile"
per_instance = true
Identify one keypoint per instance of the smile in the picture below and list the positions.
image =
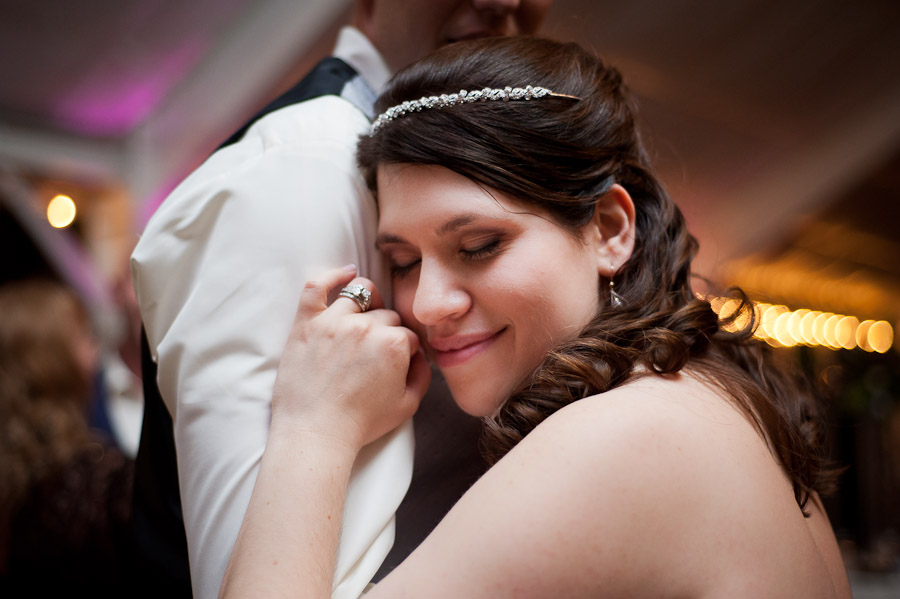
(453, 351)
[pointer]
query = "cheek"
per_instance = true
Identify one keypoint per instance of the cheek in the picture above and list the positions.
(404, 293)
(561, 299)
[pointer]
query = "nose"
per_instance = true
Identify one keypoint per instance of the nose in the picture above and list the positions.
(439, 295)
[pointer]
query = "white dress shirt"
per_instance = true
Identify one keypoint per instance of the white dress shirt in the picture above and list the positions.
(218, 273)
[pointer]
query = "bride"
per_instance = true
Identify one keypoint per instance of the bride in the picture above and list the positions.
(639, 448)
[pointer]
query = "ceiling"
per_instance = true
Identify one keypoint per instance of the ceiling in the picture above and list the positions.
(776, 125)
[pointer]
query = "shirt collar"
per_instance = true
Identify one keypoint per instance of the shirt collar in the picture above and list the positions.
(355, 49)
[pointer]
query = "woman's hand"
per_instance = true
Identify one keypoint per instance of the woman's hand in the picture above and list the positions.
(345, 379)
(347, 375)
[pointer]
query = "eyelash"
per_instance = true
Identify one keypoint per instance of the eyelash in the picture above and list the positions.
(401, 271)
(484, 251)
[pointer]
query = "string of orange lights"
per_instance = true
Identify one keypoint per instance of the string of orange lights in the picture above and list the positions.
(780, 326)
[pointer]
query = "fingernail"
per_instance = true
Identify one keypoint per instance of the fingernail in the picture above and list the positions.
(350, 268)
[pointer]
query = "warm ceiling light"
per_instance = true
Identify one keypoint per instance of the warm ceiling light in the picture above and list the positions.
(881, 336)
(819, 327)
(795, 326)
(806, 327)
(759, 312)
(831, 331)
(736, 311)
(728, 309)
(845, 332)
(782, 332)
(781, 327)
(862, 335)
(61, 211)
(767, 316)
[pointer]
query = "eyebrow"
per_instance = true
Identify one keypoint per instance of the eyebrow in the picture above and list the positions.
(451, 225)
(385, 239)
(458, 222)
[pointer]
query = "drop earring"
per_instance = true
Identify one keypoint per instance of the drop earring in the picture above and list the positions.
(615, 300)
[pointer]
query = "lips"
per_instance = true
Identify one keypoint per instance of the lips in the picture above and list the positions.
(457, 349)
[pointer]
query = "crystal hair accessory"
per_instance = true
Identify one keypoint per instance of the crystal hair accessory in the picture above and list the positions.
(465, 97)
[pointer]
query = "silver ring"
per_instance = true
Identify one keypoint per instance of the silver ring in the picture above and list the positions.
(359, 294)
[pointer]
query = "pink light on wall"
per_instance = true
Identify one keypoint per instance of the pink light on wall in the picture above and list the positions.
(105, 106)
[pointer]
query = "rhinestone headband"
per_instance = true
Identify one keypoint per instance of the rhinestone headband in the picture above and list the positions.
(464, 97)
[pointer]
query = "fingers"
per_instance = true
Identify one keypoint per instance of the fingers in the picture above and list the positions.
(387, 318)
(351, 298)
(354, 375)
(318, 291)
(314, 297)
(358, 293)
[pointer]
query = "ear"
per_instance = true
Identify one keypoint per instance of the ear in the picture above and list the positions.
(611, 230)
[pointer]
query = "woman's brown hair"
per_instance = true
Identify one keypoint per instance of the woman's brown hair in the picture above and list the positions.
(560, 154)
(44, 390)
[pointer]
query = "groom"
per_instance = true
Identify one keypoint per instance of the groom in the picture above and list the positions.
(218, 272)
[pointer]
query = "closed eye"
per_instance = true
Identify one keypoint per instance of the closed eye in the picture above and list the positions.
(482, 251)
(400, 270)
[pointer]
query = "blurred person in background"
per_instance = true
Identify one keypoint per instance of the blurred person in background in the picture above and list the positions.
(65, 489)
(120, 363)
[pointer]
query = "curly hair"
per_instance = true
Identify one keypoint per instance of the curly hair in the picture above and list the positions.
(560, 154)
(44, 391)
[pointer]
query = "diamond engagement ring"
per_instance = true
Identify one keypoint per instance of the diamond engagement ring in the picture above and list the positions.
(359, 294)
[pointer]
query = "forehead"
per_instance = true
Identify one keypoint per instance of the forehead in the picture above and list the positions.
(419, 200)
(410, 191)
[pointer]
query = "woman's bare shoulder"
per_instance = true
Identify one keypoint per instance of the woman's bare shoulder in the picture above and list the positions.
(648, 414)
(660, 467)
(673, 437)
(588, 503)
(651, 436)
(661, 476)
(682, 482)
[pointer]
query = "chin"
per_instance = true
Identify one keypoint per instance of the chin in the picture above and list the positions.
(477, 403)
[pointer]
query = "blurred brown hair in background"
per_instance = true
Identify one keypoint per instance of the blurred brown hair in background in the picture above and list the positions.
(65, 491)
